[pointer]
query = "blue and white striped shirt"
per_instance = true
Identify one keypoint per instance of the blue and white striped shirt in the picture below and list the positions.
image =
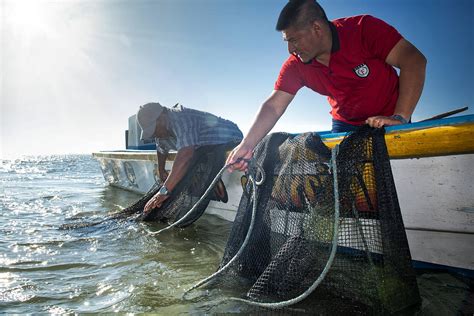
(196, 128)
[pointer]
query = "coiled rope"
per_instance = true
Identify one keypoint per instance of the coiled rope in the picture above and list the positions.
(249, 232)
(323, 274)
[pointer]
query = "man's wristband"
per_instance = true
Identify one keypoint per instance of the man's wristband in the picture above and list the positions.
(399, 118)
(164, 191)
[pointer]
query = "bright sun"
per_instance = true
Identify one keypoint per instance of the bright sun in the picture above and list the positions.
(29, 17)
(49, 66)
(47, 34)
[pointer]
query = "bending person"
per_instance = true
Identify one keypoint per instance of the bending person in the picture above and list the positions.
(185, 130)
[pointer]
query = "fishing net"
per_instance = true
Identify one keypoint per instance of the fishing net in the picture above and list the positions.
(206, 163)
(293, 234)
(204, 166)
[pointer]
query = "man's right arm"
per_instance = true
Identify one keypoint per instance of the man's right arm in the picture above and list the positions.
(270, 111)
(163, 174)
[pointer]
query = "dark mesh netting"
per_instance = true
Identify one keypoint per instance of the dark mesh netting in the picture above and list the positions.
(204, 166)
(292, 237)
(207, 162)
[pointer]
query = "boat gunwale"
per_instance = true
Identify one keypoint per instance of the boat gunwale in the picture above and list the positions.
(451, 121)
(403, 141)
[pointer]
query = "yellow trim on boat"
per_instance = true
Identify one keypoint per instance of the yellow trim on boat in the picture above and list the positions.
(401, 144)
(426, 142)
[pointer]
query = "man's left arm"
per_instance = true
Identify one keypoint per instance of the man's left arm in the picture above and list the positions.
(180, 167)
(412, 65)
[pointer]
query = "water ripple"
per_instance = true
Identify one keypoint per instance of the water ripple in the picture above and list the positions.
(47, 268)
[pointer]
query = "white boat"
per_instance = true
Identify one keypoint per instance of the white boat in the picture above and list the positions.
(433, 168)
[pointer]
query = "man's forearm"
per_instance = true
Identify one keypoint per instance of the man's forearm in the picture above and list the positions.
(264, 121)
(412, 64)
(161, 162)
(412, 79)
(270, 112)
(180, 167)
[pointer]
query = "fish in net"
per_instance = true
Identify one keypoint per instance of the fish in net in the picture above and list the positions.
(350, 242)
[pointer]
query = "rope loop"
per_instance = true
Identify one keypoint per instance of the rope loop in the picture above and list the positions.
(255, 169)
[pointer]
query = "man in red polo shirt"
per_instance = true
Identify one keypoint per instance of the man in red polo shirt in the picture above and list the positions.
(350, 60)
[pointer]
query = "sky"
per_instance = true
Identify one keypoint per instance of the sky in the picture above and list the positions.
(72, 72)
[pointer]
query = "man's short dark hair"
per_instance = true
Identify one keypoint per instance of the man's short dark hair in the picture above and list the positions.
(300, 13)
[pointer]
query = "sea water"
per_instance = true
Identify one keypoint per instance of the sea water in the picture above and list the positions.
(120, 266)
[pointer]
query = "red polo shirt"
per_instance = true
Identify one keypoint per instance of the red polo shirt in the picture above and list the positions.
(358, 82)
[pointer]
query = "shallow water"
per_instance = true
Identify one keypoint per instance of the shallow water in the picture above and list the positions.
(120, 266)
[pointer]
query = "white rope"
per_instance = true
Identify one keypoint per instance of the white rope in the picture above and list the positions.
(247, 237)
(328, 263)
(249, 232)
(209, 189)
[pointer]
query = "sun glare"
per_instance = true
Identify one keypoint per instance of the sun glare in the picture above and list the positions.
(29, 17)
(49, 46)
(44, 36)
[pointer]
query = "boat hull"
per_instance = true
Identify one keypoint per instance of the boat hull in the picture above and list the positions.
(432, 164)
(435, 196)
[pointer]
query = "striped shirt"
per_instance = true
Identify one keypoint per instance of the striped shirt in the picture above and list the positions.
(196, 128)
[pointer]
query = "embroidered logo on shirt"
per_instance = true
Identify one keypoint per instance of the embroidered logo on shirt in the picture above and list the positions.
(362, 70)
